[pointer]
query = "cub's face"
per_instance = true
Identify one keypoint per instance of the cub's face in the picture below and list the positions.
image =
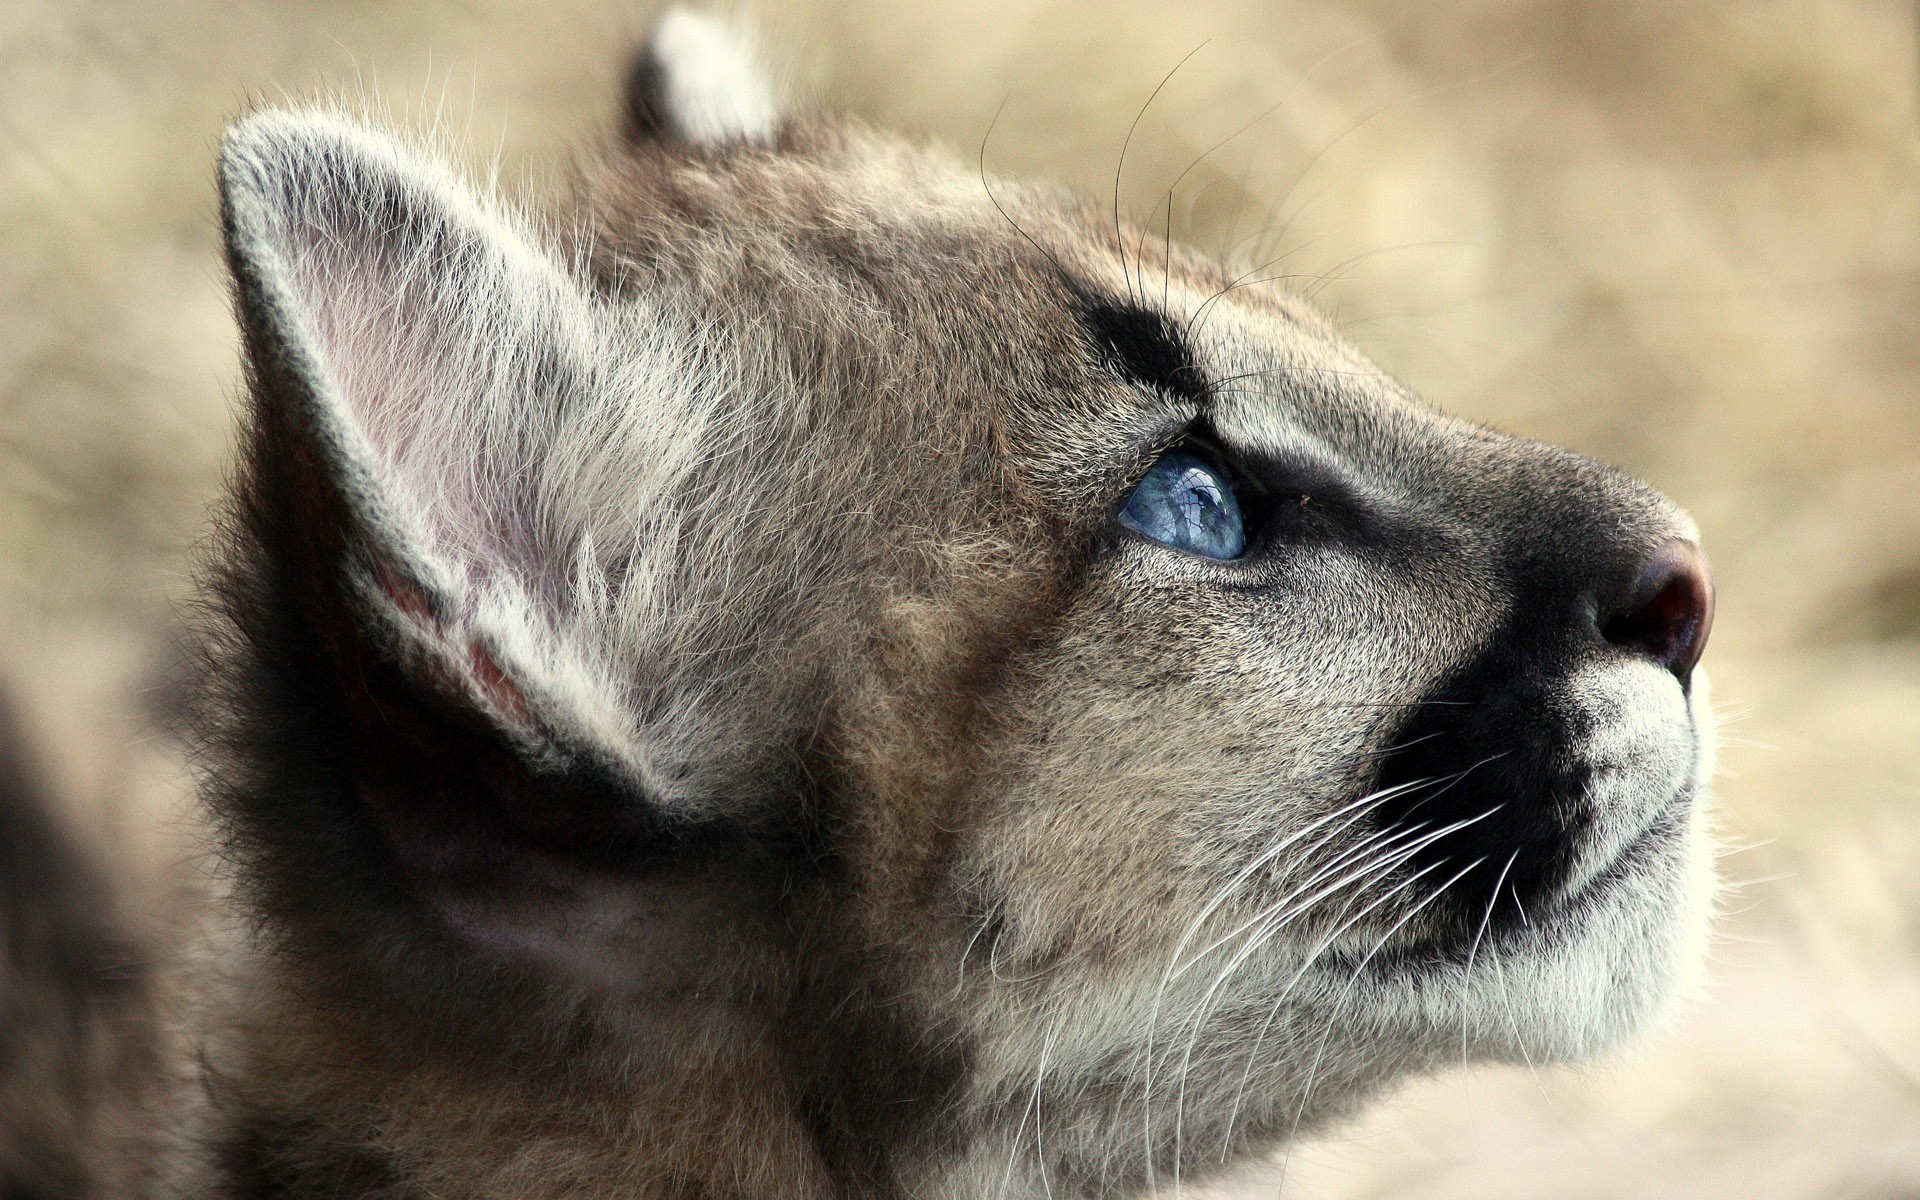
(1412, 779)
(1019, 669)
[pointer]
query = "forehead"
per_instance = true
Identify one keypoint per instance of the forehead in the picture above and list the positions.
(896, 276)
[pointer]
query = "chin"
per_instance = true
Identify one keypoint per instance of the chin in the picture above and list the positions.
(1594, 970)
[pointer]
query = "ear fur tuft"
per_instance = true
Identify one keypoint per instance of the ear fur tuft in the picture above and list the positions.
(413, 329)
(698, 80)
(407, 582)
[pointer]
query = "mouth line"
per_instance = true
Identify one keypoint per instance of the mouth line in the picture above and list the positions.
(1592, 890)
(1619, 863)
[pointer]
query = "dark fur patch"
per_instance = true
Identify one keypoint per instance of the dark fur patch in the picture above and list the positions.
(264, 1159)
(1141, 345)
(1490, 739)
(876, 1087)
(355, 782)
(355, 785)
(1500, 735)
(644, 112)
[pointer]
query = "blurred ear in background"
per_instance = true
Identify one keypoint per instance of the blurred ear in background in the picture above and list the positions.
(1683, 237)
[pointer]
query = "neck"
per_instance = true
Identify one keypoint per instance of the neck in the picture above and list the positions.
(323, 1100)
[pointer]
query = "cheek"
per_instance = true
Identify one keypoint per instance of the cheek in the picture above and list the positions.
(1171, 739)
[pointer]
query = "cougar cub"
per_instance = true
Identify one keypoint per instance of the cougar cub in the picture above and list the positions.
(807, 675)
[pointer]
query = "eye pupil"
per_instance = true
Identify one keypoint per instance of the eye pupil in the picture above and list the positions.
(1186, 502)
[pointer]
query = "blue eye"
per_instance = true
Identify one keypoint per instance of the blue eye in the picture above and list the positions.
(1187, 504)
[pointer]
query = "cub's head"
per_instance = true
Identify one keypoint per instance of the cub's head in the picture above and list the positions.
(810, 669)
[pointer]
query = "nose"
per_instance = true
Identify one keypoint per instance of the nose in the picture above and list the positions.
(1669, 611)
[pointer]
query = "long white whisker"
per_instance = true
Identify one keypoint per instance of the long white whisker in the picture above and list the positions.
(1340, 862)
(960, 975)
(1353, 812)
(1039, 1141)
(1272, 913)
(1278, 919)
(1466, 975)
(1312, 956)
(1426, 840)
(1383, 865)
(1313, 1072)
(1513, 1021)
(1365, 803)
(1286, 990)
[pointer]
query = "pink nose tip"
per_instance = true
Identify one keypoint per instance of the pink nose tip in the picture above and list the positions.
(1670, 612)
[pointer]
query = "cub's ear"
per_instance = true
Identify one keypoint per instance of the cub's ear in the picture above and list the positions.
(419, 717)
(697, 80)
(414, 355)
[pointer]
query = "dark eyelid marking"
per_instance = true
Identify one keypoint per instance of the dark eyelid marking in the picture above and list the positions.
(1142, 346)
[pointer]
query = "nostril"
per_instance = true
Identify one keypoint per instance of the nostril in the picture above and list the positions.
(1670, 612)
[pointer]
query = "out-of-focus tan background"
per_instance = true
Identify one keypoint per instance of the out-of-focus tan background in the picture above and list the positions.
(1683, 236)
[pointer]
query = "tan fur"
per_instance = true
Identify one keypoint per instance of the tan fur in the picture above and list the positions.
(689, 719)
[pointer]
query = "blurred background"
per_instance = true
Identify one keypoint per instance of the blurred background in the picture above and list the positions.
(1682, 236)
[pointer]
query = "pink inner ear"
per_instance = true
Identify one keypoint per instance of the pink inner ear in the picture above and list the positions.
(500, 691)
(408, 597)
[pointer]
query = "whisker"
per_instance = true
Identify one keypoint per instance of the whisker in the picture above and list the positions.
(1384, 751)
(1253, 1053)
(1119, 238)
(1306, 1093)
(1382, 865)
(1400, 855)
(1306, 77)
(1205, 1008)
(1354, 811)
(1466, 974)
(1365, 802)
(1406, 851)
(1513, 1022)
(1734, 885)
(995, 200)
(1354, 127)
